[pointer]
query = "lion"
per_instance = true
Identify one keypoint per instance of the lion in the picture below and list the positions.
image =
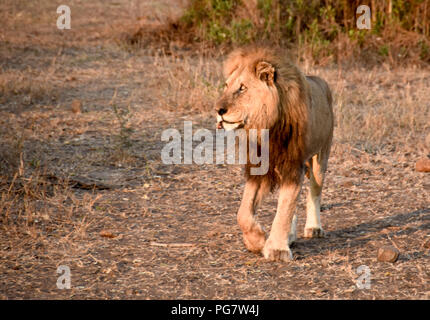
(265, 91)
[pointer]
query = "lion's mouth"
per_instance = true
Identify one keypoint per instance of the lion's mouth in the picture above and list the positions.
(228, 125)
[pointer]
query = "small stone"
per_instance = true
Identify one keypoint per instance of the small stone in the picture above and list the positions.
(107, 234)
(388, 254)
(427, 244)
(347, 184)
(76, 106)
(423, 165)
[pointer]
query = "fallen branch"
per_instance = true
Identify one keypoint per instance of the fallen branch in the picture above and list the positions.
(157, 244)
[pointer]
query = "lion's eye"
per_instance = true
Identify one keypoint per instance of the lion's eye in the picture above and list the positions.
(242, 88)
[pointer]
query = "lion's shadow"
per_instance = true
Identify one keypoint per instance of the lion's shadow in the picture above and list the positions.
(358, 235)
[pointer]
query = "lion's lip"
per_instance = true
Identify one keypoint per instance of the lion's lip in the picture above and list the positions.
(230, 122)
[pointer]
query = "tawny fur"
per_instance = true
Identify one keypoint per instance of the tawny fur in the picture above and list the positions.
(297, 110)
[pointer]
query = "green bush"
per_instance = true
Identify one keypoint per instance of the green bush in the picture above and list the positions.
(316, 24)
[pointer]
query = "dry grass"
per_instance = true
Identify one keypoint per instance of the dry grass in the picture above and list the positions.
(88, 190)
(380, 107)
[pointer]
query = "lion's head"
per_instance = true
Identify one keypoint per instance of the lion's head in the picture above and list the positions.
(260, 88)
(250, 96)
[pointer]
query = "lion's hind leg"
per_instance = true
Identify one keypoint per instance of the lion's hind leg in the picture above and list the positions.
(292, 235)
(317, 169)
(254, 236)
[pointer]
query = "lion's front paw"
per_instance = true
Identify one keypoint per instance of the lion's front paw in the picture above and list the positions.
(277, 253)
(255, 238)
(314, 233)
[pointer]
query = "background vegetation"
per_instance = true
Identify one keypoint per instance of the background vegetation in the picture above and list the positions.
(323, 30)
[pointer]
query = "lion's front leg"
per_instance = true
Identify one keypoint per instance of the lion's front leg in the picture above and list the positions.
(277, 245)
(253, 234)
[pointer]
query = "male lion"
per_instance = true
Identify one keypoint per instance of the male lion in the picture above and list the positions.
(262, 91)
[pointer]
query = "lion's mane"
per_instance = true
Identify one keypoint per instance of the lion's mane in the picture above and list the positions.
(289, 133)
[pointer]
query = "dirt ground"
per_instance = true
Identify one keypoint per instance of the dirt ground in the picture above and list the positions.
(88, 190)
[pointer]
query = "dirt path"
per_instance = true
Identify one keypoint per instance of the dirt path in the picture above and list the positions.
(129, 226)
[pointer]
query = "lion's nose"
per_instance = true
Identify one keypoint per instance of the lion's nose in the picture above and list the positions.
(221, 111)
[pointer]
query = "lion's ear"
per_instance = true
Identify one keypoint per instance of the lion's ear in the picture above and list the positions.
(265, 72)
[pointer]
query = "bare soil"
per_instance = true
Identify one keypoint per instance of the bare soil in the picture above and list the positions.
(88, 190)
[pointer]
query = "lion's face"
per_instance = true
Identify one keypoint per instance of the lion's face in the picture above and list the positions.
(249, 99)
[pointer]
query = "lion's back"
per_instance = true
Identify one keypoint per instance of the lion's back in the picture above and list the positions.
(320, 87)
(322, 119)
